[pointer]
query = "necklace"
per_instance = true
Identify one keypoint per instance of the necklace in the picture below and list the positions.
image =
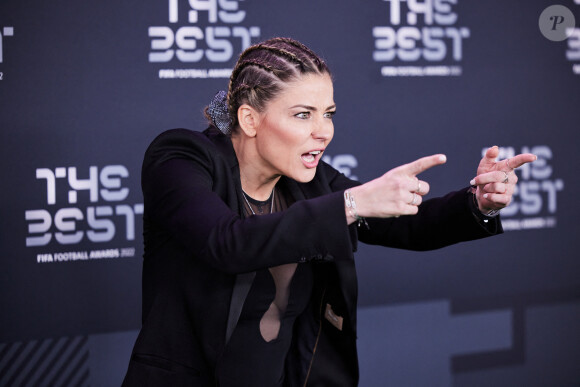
(271, 201)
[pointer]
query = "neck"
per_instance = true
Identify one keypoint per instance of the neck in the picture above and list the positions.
(256, 183)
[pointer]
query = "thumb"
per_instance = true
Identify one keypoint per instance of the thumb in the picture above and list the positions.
(492, 153)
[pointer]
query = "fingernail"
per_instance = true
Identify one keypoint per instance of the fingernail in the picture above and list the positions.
(443, 158)
(472, 182)
(485, 196)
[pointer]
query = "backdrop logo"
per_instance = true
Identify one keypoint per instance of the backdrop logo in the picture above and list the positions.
(214, 33)
(4, 33)
(70, 224)
(343, 164)
(422, 39)
(535, 200)
(573, 52)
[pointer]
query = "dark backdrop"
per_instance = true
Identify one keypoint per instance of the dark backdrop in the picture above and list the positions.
(85, 86)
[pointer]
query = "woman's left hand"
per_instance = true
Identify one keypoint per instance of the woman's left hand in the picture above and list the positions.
(496, 180)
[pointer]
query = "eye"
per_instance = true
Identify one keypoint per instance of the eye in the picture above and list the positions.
(303, 115)
(330, 114)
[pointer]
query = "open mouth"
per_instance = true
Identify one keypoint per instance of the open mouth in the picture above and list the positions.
(310, 157)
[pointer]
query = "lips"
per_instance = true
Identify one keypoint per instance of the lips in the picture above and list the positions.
(310, 159)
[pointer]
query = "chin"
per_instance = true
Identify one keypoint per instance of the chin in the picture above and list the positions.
(305, 176)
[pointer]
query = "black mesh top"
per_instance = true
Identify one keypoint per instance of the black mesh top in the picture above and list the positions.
(256, 352)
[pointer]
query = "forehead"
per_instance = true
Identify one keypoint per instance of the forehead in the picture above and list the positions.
(309, 89)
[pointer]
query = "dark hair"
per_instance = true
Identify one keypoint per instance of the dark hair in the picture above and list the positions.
(262, 70)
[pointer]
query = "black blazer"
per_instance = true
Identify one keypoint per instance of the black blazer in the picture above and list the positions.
(197, 243)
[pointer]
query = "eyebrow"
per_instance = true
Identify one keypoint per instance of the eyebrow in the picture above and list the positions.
(308, 107)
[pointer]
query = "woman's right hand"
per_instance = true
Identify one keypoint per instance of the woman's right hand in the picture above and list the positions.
(397, 192)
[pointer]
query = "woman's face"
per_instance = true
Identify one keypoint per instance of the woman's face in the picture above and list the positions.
(296, 127)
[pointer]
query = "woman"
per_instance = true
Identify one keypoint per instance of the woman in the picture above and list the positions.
(248, 276)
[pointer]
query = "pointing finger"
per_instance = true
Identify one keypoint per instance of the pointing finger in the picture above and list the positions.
(521, 159)
(424, 163)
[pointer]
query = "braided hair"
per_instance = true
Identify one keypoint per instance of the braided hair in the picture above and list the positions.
(262, 70)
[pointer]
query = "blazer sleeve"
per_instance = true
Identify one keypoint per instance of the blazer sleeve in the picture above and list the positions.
(440, 222)
(186, 184)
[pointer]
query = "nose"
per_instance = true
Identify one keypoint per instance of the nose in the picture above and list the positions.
(323, 130)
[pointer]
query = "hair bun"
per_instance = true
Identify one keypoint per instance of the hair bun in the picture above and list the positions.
(218, 112)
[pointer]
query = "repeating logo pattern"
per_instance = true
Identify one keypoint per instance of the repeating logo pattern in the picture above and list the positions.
(573, 51)
(5, 32)
(343, 163)
(422, 38)
(75, 224)
(214, 34)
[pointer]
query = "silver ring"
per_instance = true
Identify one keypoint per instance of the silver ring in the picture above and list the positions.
(506, 180)
(507, 161)
(414, 201)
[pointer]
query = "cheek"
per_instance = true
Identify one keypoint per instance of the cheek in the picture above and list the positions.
(289, 141)
(280, 148)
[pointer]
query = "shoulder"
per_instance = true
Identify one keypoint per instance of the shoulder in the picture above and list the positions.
(178, 157)
(178, 138)
(188, 144)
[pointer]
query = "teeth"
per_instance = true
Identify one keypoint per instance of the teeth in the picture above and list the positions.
(314, 153)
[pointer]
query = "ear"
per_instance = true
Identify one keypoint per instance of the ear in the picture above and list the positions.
(248, 119)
